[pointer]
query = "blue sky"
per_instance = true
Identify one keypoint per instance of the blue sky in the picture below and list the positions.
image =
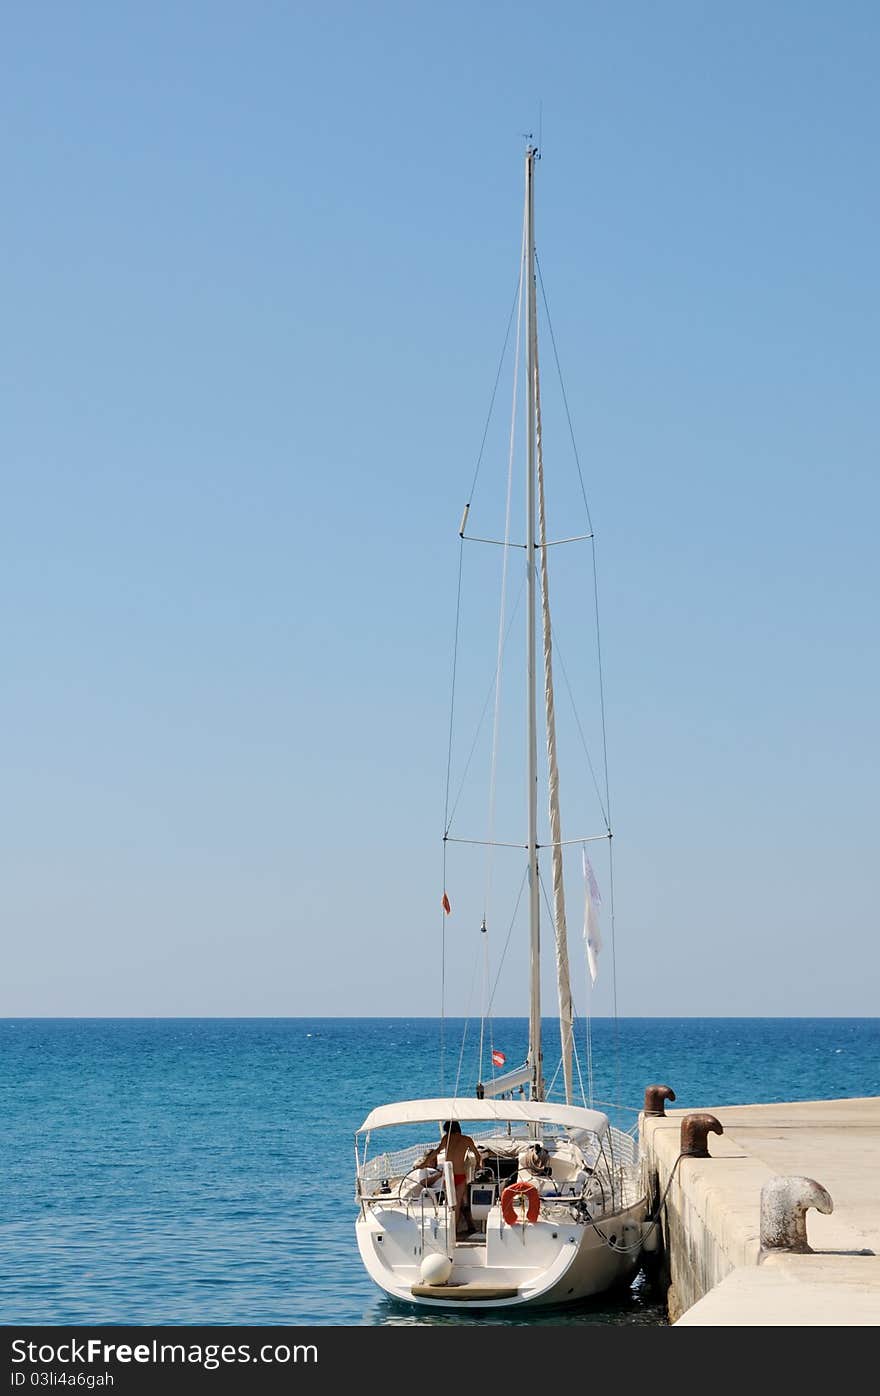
(257, 264)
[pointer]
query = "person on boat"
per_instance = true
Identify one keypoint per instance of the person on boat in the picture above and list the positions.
(427, 1170)
(425, 1177)
(457, 1148)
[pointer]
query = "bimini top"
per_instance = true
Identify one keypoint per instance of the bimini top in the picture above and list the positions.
(406, 1112)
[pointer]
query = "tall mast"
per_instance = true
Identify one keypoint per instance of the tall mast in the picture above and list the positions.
(535, 1053)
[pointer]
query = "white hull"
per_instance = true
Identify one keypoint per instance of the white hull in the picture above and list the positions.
(545, 1263)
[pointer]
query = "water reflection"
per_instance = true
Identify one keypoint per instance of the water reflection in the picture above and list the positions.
(641, 1304)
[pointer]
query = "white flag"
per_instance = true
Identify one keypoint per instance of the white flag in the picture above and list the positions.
(591, 918)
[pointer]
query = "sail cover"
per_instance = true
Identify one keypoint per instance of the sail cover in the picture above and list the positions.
(566, 1009)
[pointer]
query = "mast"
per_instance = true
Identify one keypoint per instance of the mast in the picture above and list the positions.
(535, 1059)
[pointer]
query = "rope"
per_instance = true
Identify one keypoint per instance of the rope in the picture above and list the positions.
(650, 1222)
(633, 1109)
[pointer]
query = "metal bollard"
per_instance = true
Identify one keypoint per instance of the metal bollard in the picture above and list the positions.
(695, 1130)
(656, 1098)
(784, 1204)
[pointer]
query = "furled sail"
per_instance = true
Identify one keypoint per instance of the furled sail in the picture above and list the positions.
(566, 1010)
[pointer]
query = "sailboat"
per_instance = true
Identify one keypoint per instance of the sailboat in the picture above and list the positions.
(525, 1202)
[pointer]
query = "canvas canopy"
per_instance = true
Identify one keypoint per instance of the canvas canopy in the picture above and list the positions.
(437, 1110)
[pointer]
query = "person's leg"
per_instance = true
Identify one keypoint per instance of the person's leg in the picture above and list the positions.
(465, 1219)
(468, 1221)
(460, 1208)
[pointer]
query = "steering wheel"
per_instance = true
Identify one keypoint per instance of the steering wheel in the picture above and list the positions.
(425, 1184)
(593, 1192)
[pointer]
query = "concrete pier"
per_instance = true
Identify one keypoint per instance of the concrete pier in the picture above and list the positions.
(719, 1274)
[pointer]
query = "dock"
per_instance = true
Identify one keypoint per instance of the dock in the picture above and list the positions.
(744, 1241)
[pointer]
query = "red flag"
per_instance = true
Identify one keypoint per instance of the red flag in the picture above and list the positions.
(498, 1058)
(445, 904)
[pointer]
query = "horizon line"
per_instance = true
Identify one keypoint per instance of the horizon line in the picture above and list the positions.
(417, 1017)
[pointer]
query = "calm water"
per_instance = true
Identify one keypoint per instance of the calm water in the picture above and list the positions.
(200, 1170)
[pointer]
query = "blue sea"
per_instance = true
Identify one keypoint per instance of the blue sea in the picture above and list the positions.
(200, 1171)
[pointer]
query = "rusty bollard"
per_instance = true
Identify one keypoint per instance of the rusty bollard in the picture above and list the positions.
(784, 1204)
(656, 1098)
(695, 1130)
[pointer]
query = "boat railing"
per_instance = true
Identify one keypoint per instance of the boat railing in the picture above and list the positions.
(624, 1148)
(615, 1163)
(391, 1165)
(618, 1147)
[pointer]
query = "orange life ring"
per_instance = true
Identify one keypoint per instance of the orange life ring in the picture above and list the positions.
(509, 1210)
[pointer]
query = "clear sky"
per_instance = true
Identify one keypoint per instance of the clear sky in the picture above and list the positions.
(257, 261)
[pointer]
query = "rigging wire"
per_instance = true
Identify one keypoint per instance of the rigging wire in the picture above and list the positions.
(487, 1016)
(588, 1043)
(592, 531)
(452, 694)
(507, 941)
(550, 916)
(452, 697)
(573, 1037)
(601, 683)
(461, 557)
(445, 816)
(564, 394)
(484, 1016)
(505, 554)
(577, 1062)
(443, 982)
(485, 709)
(502, 636)
(613, 966)
(577, 719)
(466, 1024)
(497, 683)
(470, 498)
